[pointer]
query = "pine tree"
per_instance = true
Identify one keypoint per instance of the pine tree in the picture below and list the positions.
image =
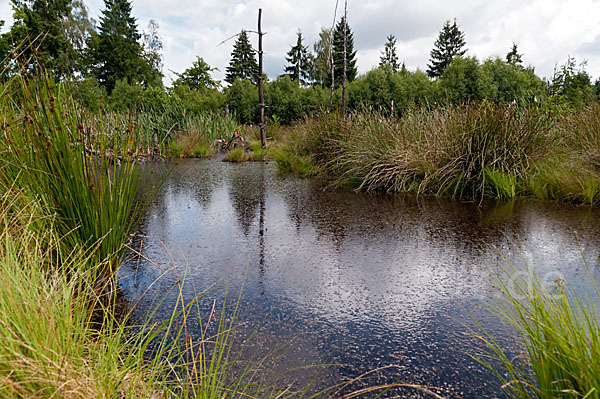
(448, 45)
(116, 53)
(389, 58)
(243, 63)
(338, 54)
(300, 65)
(513, 57)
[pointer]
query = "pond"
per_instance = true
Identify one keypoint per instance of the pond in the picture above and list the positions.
(357, 281)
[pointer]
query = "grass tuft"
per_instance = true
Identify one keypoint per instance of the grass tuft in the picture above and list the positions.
(236, 155)
(559, 333)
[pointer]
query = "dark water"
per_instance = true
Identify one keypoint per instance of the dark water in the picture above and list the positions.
(360, 281)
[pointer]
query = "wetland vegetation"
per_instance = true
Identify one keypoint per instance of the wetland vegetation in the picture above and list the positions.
(80, 137)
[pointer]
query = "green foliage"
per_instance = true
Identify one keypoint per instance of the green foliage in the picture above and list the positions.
(293, 163)
(125, 96)
(242, 64)
(5, 49)
(513, 57)
(236, 155)
(466, 80)
(500, 185)
(389, 58)
(338, 54)
(155, 99)
(558, 332)
(197, 77)
(89, 93)
(573, 84)
(196, 101)
(449, 44)
(322, 50)
(502, 81)
(151, 70)
(380, 88)
(41, 22)
(462, 81)
(242, 97)
(299, 67)
(115, 53)
(374, 89)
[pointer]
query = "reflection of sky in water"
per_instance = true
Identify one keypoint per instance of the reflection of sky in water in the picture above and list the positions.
(365, 280)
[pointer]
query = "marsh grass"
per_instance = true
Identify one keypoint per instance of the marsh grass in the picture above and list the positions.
(236, 155)
(88, 182)
(293, 163)
(501, 185)
(559, 336)
(466, 152)
(49, 347)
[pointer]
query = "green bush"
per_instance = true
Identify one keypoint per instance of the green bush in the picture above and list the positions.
(125, 96)
(242, 97)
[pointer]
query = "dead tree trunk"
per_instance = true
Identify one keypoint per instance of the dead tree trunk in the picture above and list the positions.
(345, 58)
(261, 97)
(331, 66)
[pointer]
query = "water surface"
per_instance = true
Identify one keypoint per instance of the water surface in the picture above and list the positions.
(357, 280)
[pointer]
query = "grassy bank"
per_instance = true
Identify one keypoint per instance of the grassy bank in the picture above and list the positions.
(467, 152)
(558, 335)
(70, 198)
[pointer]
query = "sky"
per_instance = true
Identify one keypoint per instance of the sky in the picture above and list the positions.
(546, 31)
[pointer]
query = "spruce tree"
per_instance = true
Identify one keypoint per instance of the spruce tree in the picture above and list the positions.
(338, 54)
(116, 53)
(300, 65)
(448, 45)
(513, 57)
(243, 63)
(389, 58)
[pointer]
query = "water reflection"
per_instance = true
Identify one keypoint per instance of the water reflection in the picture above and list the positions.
(355, 279)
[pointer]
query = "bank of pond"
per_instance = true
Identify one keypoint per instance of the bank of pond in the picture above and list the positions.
(468, 152)
(131, 277)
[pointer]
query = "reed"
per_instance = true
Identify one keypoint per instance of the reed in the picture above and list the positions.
(87, 180)
(466, 152)
(559, 339)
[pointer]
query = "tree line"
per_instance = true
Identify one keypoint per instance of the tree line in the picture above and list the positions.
(110, 59)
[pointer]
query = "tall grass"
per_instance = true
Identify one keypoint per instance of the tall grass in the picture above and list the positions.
(61, 338)
(467, 152)
(69, 199)
(85, 179)
(49, 345)
(559, 333)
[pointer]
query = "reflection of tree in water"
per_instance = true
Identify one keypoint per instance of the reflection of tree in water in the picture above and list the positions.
(245, 187)
(343, 215)
(196, 178)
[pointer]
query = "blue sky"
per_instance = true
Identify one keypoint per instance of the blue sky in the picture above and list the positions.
(547, 31)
